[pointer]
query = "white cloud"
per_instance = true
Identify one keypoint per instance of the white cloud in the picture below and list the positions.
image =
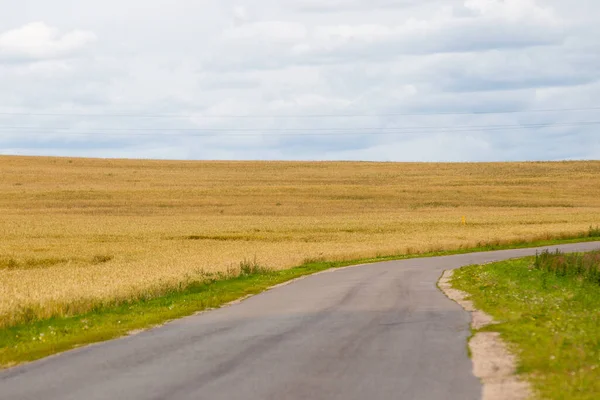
(270, 31)
(240, 15)
(38, 41)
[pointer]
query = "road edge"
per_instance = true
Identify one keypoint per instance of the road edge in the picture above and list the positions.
(493, 364)
(310, 268)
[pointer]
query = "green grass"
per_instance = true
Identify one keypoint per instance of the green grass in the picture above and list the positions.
(37, 339)
(550, 318)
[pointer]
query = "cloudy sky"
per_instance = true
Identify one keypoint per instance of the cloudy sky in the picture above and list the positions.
(386, 80)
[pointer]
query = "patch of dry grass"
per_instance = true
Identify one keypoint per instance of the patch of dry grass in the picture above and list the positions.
(76, 233)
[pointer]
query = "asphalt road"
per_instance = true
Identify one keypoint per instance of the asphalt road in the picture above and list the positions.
(380, 331)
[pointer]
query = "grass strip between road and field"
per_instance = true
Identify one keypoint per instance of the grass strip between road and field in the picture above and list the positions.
(548, 309)
(38, 339)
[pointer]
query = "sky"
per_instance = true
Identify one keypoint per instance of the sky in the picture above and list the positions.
(373, 80)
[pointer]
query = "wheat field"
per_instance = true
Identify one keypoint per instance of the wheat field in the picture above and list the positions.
(78, 233)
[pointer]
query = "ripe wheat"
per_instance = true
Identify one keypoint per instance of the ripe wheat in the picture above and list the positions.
(79, 233)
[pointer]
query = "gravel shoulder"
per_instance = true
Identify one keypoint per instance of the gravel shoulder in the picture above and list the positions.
(493, 363)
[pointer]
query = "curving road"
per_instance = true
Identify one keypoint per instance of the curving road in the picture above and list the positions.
(380, 331)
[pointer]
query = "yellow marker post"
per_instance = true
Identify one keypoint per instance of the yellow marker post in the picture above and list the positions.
(464, 220)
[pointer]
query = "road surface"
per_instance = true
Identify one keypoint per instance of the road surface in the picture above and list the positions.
(379, 331)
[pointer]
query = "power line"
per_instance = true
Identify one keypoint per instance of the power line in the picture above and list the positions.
(307, 129)
(125, 115)
(322, 132)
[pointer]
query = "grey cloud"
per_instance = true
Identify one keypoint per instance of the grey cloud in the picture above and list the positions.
(270, 58)
(335, 6)
(276, 44)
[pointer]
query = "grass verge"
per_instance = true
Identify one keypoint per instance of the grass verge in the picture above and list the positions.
(549, 313)
(37, 339)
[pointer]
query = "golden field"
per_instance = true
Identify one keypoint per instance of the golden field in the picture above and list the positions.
(76, 233)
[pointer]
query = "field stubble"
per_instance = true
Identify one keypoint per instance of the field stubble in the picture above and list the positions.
(81, 233)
